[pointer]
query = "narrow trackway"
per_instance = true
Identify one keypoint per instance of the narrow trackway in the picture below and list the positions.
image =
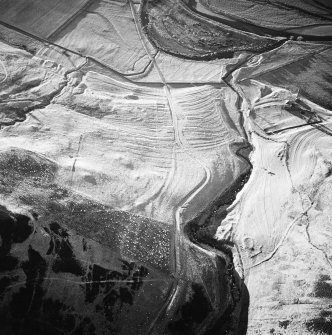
(91, 58)
(180, 237)
(320, 125)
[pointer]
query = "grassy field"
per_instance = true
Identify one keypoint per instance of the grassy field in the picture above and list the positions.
(107, 32)
(279, 15)
(39, 17)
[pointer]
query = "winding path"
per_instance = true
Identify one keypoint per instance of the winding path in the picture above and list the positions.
(180, 237)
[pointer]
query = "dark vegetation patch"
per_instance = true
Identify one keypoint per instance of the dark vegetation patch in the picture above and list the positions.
(31, 307)
(320, 325)
(326, 314)
(235, 317)
(90, 180)
(62, 251)
(323, 289)
(59, 314)
(324, 277)
(284, 324)
(85, 327)
(132, 97)
(90, 218)
(22, 168)
(4, 283)
(224, 324)
(84, 244)
(116, 288)
(58, 230)
(8, 263)
(192, 312)
(14, 228)
(201, 230)
(29, 298)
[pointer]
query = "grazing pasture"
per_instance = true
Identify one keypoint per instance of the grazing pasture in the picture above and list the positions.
(39, 17)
